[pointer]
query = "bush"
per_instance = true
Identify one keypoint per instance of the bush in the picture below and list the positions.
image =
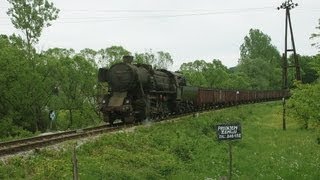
(304, 104)
(8, 130)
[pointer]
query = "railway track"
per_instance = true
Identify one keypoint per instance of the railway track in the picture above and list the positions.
(26, 144)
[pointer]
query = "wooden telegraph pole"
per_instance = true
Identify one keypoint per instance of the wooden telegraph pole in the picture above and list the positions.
(287, 6)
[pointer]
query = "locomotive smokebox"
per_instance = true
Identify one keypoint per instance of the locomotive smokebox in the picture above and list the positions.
(127, 59)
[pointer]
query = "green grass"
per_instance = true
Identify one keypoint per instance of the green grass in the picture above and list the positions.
(186, 149)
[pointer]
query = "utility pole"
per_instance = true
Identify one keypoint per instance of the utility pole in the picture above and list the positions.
(287, 6)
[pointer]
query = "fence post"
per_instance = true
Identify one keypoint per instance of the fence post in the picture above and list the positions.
(75, 163)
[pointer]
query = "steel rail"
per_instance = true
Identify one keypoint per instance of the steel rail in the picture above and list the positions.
(21, 145)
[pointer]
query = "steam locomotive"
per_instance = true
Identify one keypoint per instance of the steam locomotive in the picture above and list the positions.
(137, 92)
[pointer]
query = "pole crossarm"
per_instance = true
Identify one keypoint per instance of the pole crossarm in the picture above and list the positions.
(287, 5)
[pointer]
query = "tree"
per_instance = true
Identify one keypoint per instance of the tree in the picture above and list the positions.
(90, 55)
(238, 81)
(193, 71)
(76, 79)
(260, 61)
(262, 75)
(34, 89)
(308, 68)
(164, 60)
(216, 74)
(257, 45)
(304, 104)
(11, 60)
(31, 16)
(159, 60)
(315, 36)
(26, 89)
(111, 55)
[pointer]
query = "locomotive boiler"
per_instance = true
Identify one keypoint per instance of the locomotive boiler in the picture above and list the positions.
(137, 91)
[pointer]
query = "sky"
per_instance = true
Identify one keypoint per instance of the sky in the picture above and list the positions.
(188, 30)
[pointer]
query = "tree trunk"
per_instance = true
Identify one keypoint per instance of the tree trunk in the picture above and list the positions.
(70, 118)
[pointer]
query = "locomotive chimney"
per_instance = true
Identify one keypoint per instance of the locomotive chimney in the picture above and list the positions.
(127, 59)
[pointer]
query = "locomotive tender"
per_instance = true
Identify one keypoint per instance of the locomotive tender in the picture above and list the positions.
(137, 92)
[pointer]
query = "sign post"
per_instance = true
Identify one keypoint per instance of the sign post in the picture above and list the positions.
(229, 132)
(52, 116)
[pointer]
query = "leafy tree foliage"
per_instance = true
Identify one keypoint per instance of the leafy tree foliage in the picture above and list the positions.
(26, 88)
(262, 75)
(258, 68)
(159, 60)
(90, 54)
(76, 81)
(111, 55)
(28, 92)
(212, 74)
(304, 104)
(193, 71)
(315, 36)
(308, 68)
(31, 16)
(258, 45)
(260, 61)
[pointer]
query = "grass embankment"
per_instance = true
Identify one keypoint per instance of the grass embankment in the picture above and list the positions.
(186, 149)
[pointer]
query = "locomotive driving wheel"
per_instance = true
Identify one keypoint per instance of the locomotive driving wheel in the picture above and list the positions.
(142, 109)
(128, 119)
(108, 118)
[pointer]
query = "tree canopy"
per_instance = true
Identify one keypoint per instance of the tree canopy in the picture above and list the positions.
(159, 60)
(31, 16)
(257, 45)
(315, 36)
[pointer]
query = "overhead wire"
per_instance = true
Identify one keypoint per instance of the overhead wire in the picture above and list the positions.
(202, 12)
(192, 12)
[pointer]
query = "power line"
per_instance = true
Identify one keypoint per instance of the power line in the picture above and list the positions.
(98, 19)
(117, 18)
(149, 10)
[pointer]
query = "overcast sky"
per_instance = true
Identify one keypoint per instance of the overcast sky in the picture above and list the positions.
(188, 30)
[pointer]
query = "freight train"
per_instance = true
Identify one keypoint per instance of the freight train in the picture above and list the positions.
(137, 92)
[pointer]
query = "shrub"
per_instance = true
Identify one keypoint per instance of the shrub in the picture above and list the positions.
(304, 104)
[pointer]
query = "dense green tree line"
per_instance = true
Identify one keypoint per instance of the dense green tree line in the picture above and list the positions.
(259, 67)
(57, 79)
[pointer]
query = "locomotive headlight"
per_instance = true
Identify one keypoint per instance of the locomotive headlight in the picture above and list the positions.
(127, 101)
(125, 108)
(104, 101)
